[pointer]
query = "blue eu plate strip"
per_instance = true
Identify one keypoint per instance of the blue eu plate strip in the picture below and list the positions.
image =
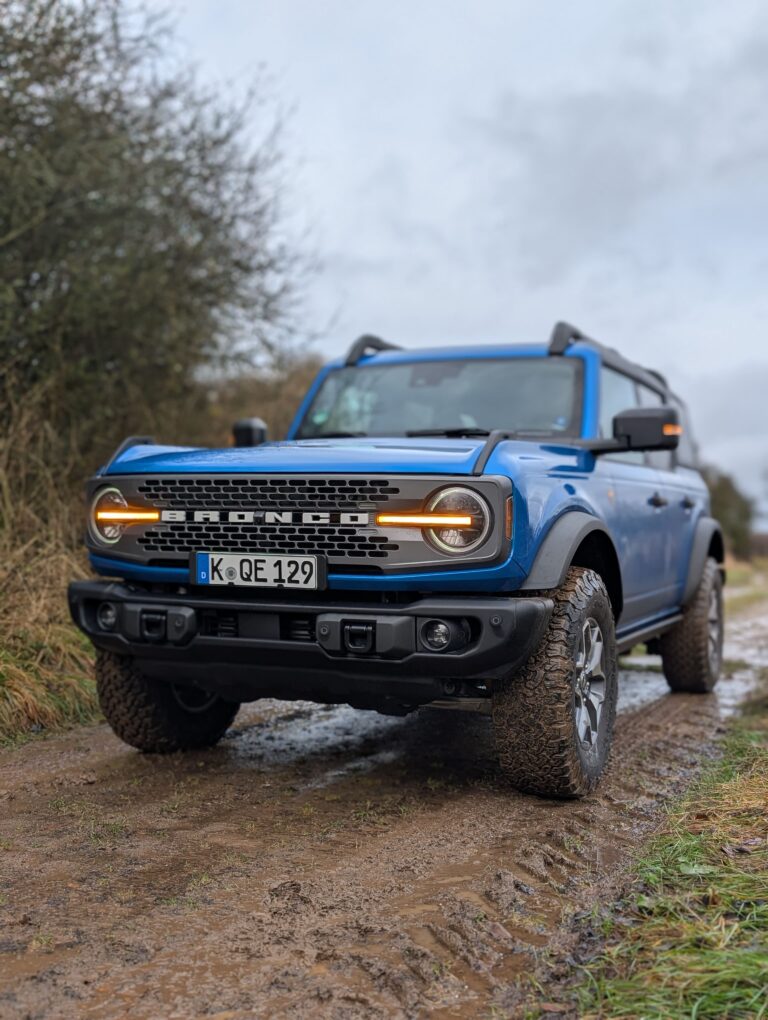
(202, 568)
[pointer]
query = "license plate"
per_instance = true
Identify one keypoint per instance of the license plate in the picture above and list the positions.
(258, 570)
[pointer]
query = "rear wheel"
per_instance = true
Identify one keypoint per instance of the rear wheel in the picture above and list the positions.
(692, 652)
(153, 715)
(553, 718)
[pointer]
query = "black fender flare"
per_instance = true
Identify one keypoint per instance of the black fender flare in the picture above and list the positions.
(707, 529)
(558, 548)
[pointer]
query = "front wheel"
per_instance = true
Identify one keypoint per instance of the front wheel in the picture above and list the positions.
(553, 718)
(153, 715)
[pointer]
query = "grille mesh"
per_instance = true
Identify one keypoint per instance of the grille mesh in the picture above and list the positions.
(267, 538)
(268, 493)
(311, 493)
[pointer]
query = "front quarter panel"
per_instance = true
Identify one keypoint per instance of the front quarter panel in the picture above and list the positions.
(548, 480)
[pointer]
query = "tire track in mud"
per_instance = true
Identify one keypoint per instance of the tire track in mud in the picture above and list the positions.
(320, 863)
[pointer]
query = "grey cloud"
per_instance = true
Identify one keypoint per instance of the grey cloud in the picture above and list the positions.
(733, 405)
(574, 176)
(730, 420)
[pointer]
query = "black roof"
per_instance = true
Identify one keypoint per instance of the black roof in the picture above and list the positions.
(564, 334)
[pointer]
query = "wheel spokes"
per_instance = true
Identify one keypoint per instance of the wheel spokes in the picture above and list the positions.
(714, 631)
(590, 684)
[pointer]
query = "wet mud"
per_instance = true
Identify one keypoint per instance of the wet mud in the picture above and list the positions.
(321, 862)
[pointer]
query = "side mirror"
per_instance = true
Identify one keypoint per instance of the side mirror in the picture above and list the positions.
(648, 428)
(249, 432)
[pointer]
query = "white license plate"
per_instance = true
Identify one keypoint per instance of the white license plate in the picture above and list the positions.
(257, 570)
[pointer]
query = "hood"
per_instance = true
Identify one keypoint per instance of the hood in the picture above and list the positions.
(338, 456)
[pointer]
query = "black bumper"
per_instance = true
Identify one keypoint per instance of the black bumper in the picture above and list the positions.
(329, 651)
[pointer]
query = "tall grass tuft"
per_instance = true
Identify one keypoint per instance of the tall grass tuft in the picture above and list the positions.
(45, 664)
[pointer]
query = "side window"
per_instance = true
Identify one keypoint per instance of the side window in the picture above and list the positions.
(687, 452)
(660, 459)
(617, 394)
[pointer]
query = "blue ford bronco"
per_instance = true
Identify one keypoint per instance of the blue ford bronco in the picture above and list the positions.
(482, 527)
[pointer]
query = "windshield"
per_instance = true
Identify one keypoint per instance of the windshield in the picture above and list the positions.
(540, 395)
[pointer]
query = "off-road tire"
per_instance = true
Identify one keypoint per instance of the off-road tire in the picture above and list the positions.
(150, 714)
(534, 708)
(689, 662)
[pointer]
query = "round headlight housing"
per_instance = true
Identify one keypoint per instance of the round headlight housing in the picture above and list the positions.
(459, 501)
(107, 532)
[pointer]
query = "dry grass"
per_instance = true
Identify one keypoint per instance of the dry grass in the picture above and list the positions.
(45, 664)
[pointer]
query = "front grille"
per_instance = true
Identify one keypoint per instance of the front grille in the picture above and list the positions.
(309, 493)
(273, 493)
(332, 515)
(266, 538)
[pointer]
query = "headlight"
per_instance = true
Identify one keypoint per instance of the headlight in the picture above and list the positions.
(110, 514)
(459, 502)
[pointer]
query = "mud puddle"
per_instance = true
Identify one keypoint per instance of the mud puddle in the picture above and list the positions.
(320, 862)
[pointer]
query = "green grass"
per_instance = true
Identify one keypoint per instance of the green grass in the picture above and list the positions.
(744, 599)
(692, 940)
(750, 581)
(740, 575)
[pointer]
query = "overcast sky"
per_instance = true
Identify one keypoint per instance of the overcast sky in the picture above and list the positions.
(474, 171)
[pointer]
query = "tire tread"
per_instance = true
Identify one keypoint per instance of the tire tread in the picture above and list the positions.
(533, 722)
(144, 713)
(684, 649)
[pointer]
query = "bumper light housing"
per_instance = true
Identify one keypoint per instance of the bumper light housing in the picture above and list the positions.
(444, 635)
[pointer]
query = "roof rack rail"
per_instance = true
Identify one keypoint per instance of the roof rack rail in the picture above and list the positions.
(563, 335)
(657, 375)
(367, 343)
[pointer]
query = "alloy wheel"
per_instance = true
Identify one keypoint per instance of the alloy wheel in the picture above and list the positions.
(590, 684)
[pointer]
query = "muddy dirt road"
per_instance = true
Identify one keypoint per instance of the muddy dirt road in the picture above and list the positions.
(320, 862)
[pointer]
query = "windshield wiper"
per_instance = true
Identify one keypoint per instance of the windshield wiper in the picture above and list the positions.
(336, 435)
(458, 431)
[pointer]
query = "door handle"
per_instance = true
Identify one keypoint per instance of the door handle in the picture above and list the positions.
(658, 500)
(687, 503)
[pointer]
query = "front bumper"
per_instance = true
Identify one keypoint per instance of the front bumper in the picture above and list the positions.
(324, 650)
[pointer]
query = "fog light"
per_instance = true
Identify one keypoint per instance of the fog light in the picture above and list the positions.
(106, 614)
(445, 635)
(437, 635)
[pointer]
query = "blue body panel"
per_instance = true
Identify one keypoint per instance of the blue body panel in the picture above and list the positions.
(309, 456)
(549, 480)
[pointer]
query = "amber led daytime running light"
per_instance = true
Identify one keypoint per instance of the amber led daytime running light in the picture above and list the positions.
(426, 520)
(127, 516)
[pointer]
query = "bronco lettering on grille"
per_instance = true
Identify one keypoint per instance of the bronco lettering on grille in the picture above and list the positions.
(341, 518)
